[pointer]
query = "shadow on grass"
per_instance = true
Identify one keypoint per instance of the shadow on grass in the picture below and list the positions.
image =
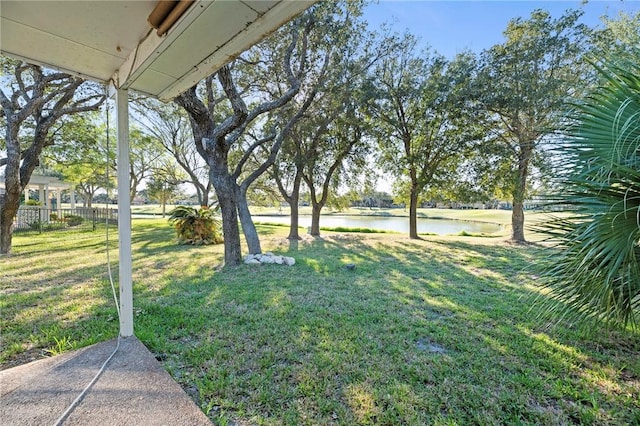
(425, 331)
(418, 332)
(50, 310)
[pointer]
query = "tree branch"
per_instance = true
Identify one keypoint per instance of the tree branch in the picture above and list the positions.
(248, 152)
(7, 105)
(201, 120)
(240, 114)
(294, 86)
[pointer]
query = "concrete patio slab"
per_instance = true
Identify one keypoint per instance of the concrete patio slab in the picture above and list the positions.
(133, 390)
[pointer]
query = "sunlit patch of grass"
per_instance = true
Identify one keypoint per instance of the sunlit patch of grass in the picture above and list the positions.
(362, 402)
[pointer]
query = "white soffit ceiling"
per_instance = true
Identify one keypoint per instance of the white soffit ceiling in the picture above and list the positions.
(111, 39)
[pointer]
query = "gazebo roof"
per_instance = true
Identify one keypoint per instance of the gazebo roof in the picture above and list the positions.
(112, 40)
(52, 182)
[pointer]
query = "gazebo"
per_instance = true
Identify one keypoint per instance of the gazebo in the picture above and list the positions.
(46, 185)
(159, 48)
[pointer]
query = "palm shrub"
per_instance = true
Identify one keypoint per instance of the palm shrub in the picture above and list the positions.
(593, 271)
(196, 226)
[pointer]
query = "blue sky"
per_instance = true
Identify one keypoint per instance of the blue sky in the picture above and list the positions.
(451, 26)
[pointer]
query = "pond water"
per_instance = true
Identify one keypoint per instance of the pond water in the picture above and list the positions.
(398, 224)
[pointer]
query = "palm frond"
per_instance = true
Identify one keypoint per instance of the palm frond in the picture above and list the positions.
(196, 226)
(593, 271)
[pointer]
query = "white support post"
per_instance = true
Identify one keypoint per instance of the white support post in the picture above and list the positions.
(72, 195)
(47, 196)
(42, 199)
(58, 200)
(124, 215)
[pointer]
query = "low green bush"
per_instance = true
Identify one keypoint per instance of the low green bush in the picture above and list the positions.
(74, 220)
(360, 230)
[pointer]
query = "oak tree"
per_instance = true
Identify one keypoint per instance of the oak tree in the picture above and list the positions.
(169, 124)
(34, 100)
(424, 115)
(526, 84)
(228, 103)
(330, 138)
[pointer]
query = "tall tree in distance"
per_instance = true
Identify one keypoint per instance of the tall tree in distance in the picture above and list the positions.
(169, 124)
(84, 148)
(424, 118)
(526, 83)
(331, 132)
(164, 182)
(144, 152)
(342, 145)
(38, 99)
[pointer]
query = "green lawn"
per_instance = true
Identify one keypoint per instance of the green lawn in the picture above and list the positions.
(438, 331)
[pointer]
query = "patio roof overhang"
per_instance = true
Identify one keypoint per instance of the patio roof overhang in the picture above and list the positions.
(112, 40)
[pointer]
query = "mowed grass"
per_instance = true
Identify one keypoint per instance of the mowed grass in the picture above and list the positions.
(438, 331)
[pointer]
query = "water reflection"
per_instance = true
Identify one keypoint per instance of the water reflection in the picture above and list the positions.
(398, 224)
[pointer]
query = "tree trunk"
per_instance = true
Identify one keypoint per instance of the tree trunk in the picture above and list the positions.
(229, 212)
(8, 211)
(517, 222)
(294, 222)
(7, 214)
(413, 213)
(294, 203)
(519, 194)
(315, 219)
(202, 192)
(13, 188)
(203, 197)
(248, 227)
(201, 201)
(134, 185)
